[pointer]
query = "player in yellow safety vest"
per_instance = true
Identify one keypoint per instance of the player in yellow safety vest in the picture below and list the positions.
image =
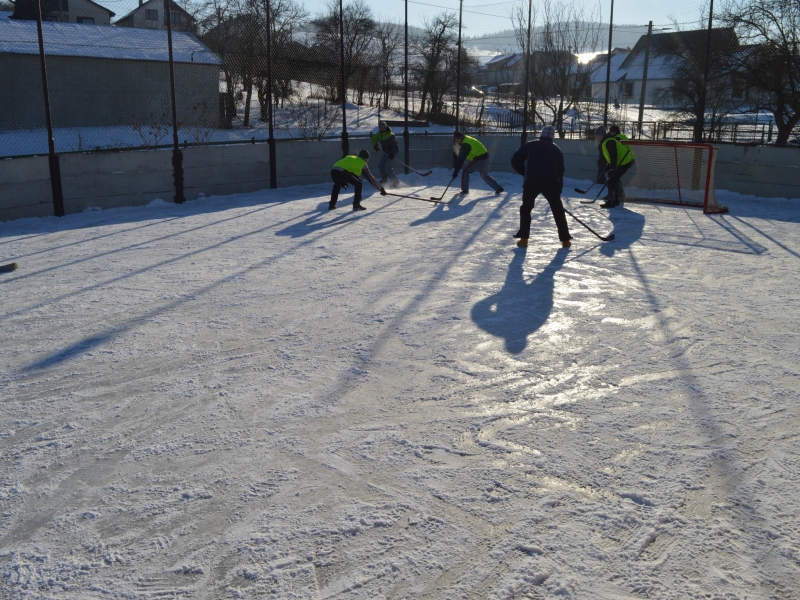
(474, 157)
(348, 171)
(619, 158)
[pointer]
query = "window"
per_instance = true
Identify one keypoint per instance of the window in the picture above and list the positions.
(629, 88)
(175, 17)
(85, 20)
(150, 14)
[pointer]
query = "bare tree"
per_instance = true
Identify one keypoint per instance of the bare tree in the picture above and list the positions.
(359, 31)
(389, 37)
(559, 79)
(687, 51)
(769, 63)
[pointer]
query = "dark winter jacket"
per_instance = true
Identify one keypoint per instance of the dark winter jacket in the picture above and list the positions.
(541, 163)
(387, 141)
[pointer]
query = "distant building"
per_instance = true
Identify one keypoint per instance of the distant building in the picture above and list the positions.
(101, 76)
(151, 15)
(667, 50)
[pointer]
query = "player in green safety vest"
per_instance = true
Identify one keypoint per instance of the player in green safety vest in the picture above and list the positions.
(385, 142)
(473, 156)
(620, 158)
(348, 171)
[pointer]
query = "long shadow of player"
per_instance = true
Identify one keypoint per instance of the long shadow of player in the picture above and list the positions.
(319, 219)
(447, 210)
(628, 227)
(521, 307)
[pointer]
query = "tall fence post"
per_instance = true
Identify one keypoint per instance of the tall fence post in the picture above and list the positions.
(643, 95)
(608, 64)
(177, 155)
(273, 168)
(55, 167)
(345, 141)
(406, 135)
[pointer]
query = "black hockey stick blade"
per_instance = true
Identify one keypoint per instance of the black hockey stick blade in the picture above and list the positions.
(439, 198)
(605, 238)
(415, 198)
(8, 268)
(595, 198)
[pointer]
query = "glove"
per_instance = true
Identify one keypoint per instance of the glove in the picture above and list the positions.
(455, 173)
(376, 148)
(383, 192)
(609, 175)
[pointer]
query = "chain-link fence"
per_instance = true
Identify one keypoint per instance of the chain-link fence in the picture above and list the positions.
(248, 69)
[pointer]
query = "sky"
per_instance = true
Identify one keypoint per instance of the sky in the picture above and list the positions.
(251, 396)
(481, 17)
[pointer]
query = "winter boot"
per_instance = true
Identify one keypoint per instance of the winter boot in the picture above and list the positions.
(498, 192)
(357, 206)
(566, 243)
(522, 242)
(331, 205)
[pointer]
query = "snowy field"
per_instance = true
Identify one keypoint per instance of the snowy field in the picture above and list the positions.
(250, 396)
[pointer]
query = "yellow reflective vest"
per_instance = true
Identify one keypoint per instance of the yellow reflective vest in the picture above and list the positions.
(352, 163)
(475, 147)
(624, 153)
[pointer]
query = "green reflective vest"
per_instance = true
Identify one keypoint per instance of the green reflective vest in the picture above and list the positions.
(475, 147)
(624, 153)
(380, 136)
(352, 163)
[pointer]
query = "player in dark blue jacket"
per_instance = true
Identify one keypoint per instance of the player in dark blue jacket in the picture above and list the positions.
(542, 165)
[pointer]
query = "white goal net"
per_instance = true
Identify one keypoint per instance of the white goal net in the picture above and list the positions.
(673, 173)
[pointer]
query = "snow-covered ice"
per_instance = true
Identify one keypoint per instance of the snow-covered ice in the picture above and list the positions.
(250, 396)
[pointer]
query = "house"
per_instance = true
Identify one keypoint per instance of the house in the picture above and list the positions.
(667, 52)
(150, 15)
(84, 12)
(103, 76)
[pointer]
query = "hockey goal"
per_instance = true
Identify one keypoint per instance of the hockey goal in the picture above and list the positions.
(673, 173)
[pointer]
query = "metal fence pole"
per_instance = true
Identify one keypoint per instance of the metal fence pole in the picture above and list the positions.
(701, 111)
(273, 169)
(608, 64)
(524, 137)
(55, 167)
(643, 95)
(406, 136)
(177, 156)
(345, 141)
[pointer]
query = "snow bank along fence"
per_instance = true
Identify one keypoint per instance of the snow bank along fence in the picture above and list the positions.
(137, 177)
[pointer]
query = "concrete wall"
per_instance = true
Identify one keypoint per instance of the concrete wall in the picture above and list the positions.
(130, 178)
(95, 92)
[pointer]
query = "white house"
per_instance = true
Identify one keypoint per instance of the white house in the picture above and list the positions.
(150, 15)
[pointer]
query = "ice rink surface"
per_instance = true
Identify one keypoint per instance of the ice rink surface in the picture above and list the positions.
(253, 397)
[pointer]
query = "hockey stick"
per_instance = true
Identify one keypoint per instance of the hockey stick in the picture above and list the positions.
(444, 192)
(595, 182)
(405, 165)
(8, 268)
(606, 238)
(595, 198)
(415, 198)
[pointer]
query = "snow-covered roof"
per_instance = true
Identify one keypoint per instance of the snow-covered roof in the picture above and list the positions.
(102, 41)
(175, 6)
(598, 75)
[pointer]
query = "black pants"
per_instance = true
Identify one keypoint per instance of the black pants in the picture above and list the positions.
(551, 193)
(341, 178)
(614, 182)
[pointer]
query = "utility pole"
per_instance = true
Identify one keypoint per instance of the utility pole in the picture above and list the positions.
(458, 63)
(699, 125)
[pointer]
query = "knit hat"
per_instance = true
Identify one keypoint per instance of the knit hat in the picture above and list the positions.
(613, 130)
(601, 131)
(363, 154)
(458, 134)
(381, 124)
(548, 132)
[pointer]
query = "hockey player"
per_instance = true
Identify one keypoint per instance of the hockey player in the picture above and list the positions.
(619, 158)
(349, 171)
(474, 157)
(385, 142)
(541, 163)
